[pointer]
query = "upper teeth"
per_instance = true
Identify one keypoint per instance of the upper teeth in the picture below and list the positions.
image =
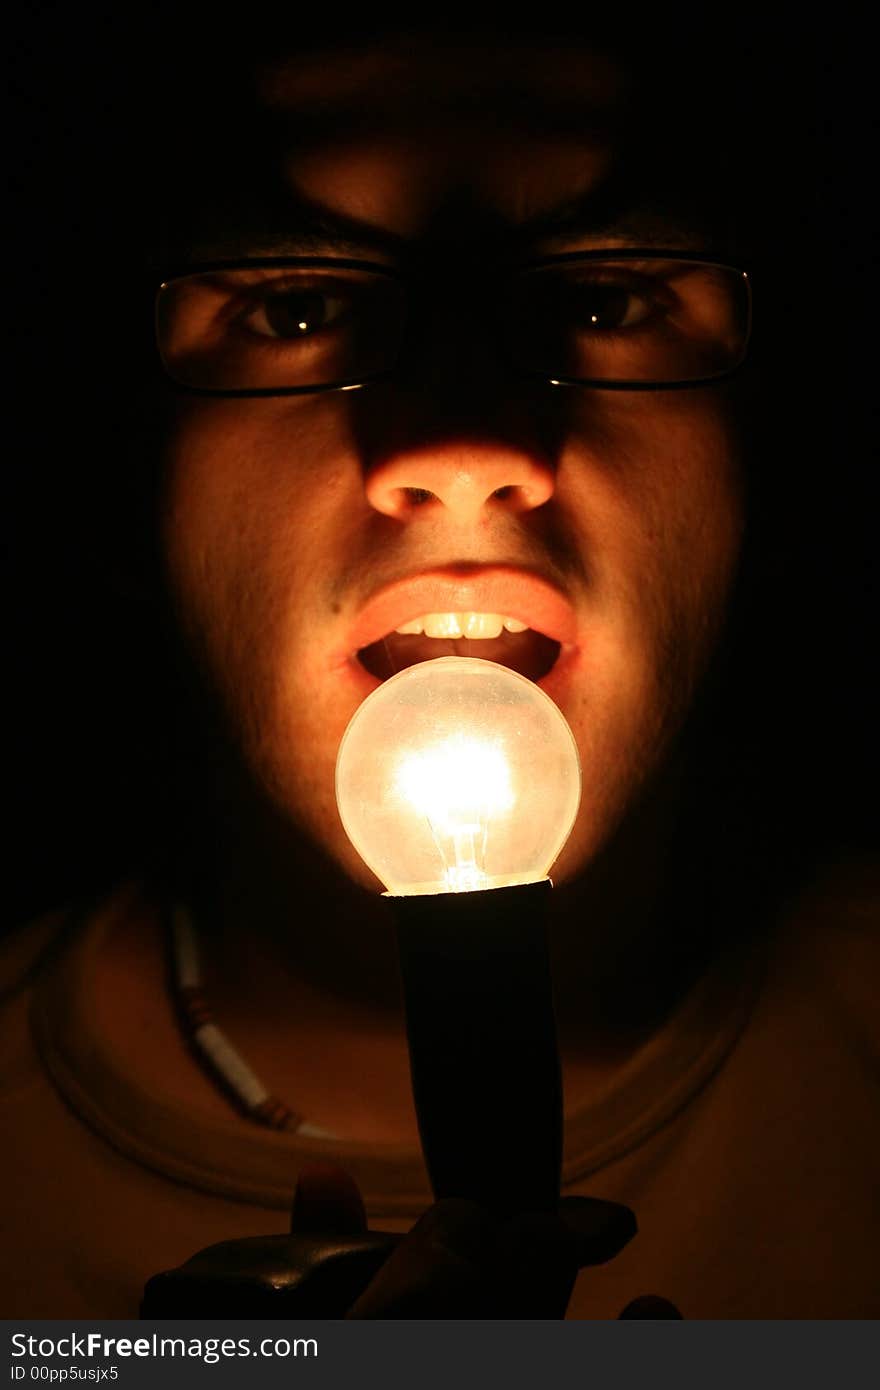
(461, 625)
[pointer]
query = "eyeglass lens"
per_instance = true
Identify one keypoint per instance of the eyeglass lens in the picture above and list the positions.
(265, 328)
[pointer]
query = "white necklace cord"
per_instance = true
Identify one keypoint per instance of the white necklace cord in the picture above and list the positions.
(221, 1059)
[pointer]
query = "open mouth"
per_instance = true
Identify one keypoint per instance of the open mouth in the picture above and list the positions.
(492, 636)
(503, 613)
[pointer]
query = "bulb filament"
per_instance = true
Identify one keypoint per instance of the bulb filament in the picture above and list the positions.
(461, 786)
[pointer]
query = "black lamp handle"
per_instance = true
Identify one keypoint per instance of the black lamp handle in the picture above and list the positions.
(483, 1049)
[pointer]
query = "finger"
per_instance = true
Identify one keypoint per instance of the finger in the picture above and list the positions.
(540, 1258)
(650, 1305)
(601, 1229)
(461, 1261)
(439, 1270)
(543, 1253)
(327, 1201)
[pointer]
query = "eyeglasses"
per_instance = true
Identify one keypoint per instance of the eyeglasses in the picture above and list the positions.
(626, 320)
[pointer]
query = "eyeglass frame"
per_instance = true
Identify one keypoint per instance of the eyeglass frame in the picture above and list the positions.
(376, 267)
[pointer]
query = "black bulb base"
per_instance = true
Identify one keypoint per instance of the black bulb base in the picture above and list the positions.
(483, 1049)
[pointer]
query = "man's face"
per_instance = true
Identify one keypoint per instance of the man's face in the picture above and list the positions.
(301, 531)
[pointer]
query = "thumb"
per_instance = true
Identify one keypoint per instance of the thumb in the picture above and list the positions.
(650, 1306)
(327, 1201)
(461, 1260)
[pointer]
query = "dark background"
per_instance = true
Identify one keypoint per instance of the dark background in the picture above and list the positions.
(86, 688)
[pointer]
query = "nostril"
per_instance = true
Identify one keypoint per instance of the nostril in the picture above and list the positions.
(520, 497)
(459, 480)
(401, 502)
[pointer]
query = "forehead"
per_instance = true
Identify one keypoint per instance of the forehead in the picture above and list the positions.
(396, 136)
(417, 140)
(428, 75)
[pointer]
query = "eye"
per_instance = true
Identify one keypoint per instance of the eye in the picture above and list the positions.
(600, 306)
(587, 302)
(293, 312)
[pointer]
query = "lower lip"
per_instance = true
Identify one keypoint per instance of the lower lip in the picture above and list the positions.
(556, 683)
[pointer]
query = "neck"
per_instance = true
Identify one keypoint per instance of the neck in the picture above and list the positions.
(301, 968)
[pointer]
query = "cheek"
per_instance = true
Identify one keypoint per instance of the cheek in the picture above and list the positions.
(254, 501)
(249, 496)
(655, 501)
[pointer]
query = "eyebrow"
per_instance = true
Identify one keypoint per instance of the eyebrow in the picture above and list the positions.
(610, 213)
(300, 226)
(296, 226)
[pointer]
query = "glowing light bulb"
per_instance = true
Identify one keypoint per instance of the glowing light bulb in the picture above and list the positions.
(457, 775)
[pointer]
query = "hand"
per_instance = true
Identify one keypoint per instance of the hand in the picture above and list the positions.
(463, 1261)
(459, 1261)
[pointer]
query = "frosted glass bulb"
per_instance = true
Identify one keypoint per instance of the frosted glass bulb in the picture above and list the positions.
(457, 775)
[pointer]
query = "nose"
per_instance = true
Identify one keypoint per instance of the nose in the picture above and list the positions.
(467, 479)
(454, 436)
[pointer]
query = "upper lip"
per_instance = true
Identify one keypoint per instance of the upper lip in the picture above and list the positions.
(512, 591)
